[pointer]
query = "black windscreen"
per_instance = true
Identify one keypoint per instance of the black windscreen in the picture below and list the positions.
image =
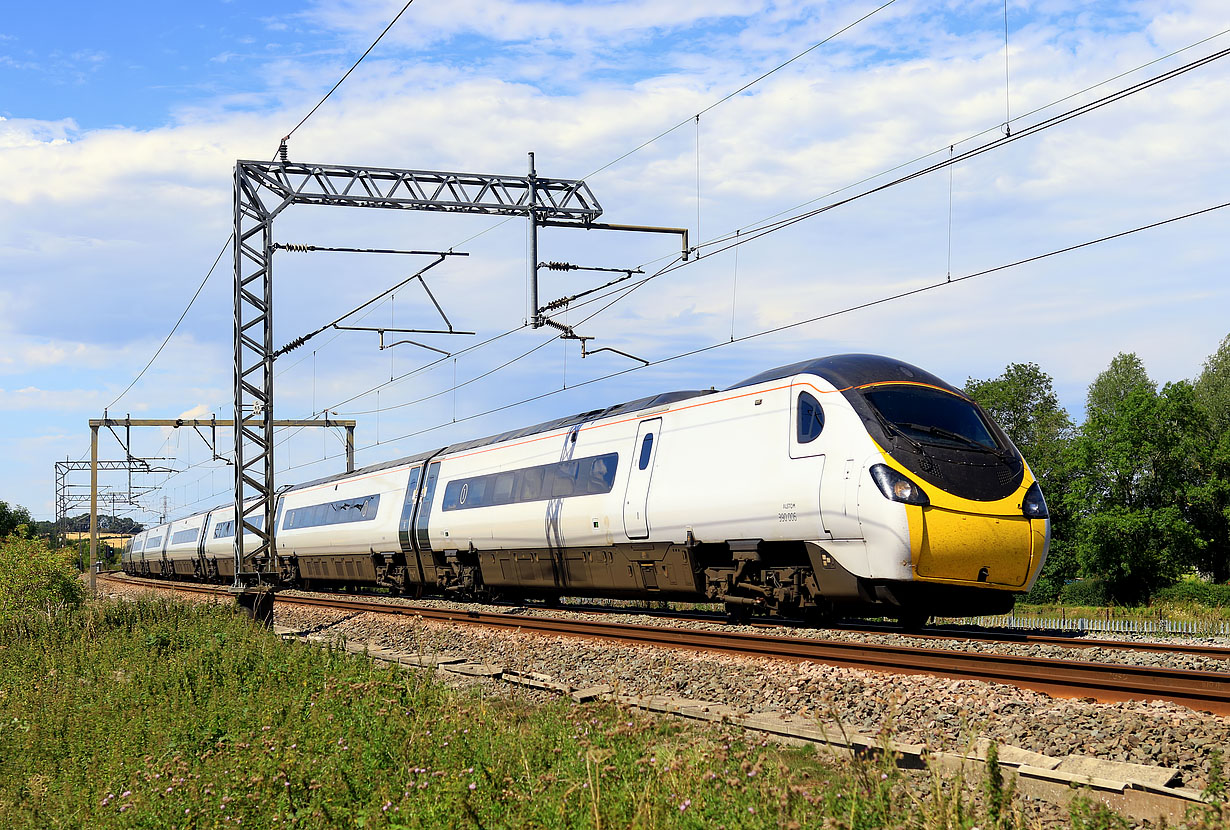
(932, 416)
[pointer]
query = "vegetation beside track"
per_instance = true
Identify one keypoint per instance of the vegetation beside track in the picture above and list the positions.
(163, 714)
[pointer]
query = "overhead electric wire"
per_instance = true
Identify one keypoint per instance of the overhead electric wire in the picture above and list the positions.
(763, 229)
(796, 324)
(167, 339)
(348, 71)
(741, 238)
(741, 89)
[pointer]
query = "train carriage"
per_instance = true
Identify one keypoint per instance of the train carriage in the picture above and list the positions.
(851, 484)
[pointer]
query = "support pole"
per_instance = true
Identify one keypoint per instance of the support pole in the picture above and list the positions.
(350, 449)
(93, 510)
(535, 318)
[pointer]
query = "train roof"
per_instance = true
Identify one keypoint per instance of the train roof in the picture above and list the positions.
(546, 426)
(847, 370)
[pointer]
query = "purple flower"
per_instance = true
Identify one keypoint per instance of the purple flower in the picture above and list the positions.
(473, 786)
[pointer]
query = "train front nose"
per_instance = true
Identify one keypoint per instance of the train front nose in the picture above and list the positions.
(971, 547)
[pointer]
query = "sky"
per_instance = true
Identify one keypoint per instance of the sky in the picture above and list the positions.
(120, 125)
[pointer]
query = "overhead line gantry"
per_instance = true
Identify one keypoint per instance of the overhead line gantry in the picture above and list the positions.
(262, 190)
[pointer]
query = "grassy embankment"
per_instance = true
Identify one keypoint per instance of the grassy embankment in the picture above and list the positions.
(173, 715)
(158, 714)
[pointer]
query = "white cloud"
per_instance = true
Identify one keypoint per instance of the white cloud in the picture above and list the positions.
(105, 233)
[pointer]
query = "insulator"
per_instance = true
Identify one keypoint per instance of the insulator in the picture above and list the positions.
(282, 152)
(561, 266)
(294, 344)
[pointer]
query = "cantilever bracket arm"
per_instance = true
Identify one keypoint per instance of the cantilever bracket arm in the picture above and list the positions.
(383, 345)
(567, 333)
(684, 250)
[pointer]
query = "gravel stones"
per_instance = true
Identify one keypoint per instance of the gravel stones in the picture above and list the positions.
(936, 712)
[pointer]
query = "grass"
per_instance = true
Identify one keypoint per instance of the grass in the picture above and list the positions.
(159, 714)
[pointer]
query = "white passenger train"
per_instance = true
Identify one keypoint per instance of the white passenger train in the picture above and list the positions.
(852, 484)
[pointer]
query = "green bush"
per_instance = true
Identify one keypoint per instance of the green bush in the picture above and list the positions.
(35, 580)
(1085, 592)
(1045, 591)
(1195, 592)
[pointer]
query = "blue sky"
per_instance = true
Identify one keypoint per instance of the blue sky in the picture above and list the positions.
(119, 127)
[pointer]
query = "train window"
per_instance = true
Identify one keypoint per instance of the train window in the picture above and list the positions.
(184, 536)
(646, 451)
(932, 416)
(811, 419)
(343, 511)
(564, 478)
(153, 543)
(601, 476)
(224, 530)
(531, 484)
(581, 477)
(503, 488)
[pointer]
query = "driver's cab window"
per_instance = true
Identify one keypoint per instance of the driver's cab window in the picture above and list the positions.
(810, 419)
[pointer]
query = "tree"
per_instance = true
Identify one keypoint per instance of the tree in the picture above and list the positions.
(11, 518)
(1111, 389)
(1213, 388)
(1134, 472)
(35, 579)
(1211, 501)
(1023, 401)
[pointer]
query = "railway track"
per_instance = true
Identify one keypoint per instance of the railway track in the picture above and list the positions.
(1103, 682)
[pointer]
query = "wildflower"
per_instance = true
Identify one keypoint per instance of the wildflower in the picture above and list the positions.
(473, 786)
(386, 806)
(687, 802)
(884, 776)
(751, 809)
(751, 773)
(471, 769)
(126, 793)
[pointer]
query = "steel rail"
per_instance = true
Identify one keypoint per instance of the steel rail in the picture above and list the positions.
(1104, 682)
(1075, 640)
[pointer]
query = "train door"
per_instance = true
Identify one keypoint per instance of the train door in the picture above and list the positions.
(636, 498)
(405, 527)
(808, 441)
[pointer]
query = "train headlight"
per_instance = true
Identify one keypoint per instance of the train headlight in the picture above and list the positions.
(1033, 505)
(897, 487)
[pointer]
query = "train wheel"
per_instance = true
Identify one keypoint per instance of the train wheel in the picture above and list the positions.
(913, 620)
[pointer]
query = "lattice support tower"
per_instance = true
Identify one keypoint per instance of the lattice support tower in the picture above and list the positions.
(262, 190)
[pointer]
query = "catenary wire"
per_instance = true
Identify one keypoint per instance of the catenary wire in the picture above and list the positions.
(171, 333)
(757, 232)
(765, 229)
(741, 89)
(348, 71)
(798, 323)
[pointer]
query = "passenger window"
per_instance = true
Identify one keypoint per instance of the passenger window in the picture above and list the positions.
(646, 451)
(563, 482)
(811, 419)
(531, 484)
(503, 488)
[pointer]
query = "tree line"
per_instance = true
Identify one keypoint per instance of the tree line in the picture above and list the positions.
(1139, 493)
(15, 516)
